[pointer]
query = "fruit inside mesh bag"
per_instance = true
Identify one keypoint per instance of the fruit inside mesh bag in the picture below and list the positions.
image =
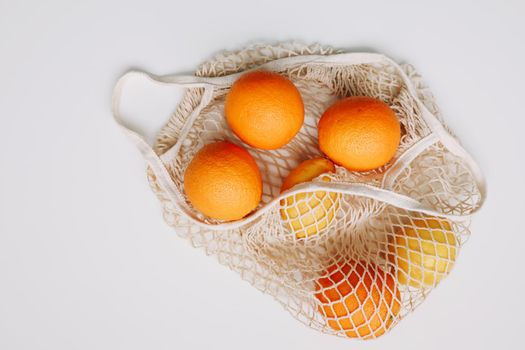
(318, 251)
(358, 299)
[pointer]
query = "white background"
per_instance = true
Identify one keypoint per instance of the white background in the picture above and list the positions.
(86, 261)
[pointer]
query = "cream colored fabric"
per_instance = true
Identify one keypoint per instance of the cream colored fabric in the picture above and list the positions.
(431, 175)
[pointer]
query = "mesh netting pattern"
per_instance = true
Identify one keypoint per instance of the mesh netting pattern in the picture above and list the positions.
(343, 264)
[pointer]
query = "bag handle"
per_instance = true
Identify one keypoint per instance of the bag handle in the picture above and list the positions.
(152, 159)
(210, 83)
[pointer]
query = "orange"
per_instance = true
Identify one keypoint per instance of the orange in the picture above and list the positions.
(223, 181)
(358, 299)
(305, 214)
(264, 109)
(423, 251)
(359, 133)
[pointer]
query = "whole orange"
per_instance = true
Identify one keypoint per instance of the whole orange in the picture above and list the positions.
(264, 109)
(223, 181)
(360, 133)
(358, 298)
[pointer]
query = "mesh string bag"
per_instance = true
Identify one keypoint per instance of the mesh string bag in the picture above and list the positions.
(348, 253)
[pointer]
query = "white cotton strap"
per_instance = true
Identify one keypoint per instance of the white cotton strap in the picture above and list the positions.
(152, 159)
(210, 83)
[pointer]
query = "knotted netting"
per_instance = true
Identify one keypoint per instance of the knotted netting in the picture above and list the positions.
(349, 253)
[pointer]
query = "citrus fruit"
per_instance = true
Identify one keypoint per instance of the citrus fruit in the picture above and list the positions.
(423, 252)
(358, 298)
(360, 133)
(305, 214)
(223, 181)
(264, 109)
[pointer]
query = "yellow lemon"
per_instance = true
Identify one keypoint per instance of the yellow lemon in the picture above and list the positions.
(424, 251)
(306, 214)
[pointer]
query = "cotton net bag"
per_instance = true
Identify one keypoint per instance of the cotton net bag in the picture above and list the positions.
(388, 236)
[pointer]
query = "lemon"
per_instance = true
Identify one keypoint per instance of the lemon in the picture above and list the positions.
(305, 214)
(424, 252)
